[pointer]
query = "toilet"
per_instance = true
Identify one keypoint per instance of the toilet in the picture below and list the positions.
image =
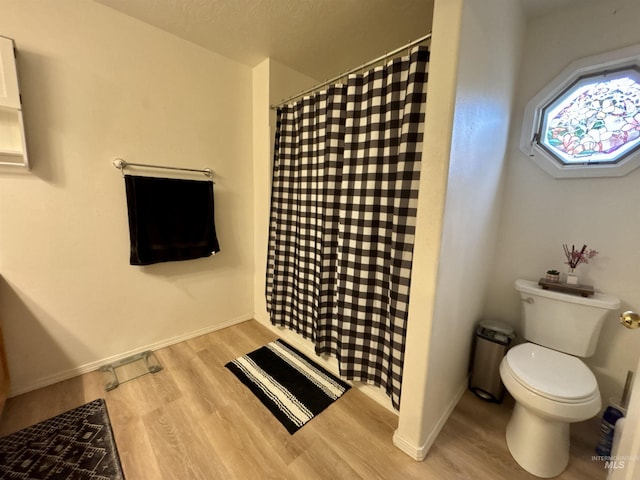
(551, 386)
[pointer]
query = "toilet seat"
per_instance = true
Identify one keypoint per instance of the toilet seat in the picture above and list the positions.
(553, 375)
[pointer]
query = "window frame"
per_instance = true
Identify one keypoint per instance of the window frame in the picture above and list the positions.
(530, 144)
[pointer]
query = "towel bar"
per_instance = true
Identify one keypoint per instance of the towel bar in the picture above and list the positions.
(121, 164)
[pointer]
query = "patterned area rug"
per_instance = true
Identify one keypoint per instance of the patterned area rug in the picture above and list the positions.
(77, 444)
(289, 384)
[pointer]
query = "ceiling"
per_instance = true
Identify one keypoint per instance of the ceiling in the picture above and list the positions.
(320, 38)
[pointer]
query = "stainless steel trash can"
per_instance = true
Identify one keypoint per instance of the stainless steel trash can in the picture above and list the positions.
(491, 344)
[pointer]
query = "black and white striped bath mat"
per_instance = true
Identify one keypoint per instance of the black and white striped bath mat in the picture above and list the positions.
(288, 383)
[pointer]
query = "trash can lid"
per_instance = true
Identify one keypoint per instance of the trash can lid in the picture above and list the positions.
(497, 327)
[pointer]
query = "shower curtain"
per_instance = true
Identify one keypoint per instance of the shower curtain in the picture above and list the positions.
(342, 223)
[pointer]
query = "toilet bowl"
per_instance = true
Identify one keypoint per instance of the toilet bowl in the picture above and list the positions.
(551, 390)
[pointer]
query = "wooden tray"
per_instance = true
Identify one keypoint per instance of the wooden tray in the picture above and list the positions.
(582, 290)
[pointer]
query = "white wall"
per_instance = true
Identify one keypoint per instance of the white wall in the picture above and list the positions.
(475, 55)
(98, 85)
(542, 213)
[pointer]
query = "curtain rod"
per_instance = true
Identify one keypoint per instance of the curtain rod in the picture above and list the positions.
(120, 164)
(353, 70)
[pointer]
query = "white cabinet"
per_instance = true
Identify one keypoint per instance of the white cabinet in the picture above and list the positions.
(4, 374)
(9, 92)
(13, 150)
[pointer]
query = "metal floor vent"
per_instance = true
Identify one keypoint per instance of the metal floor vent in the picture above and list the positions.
(129, 368)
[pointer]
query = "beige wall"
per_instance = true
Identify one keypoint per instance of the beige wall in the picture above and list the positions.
(473, 73)
(98, 85)
(541, 213)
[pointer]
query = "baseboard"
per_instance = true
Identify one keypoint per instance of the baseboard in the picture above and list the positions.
(91, 366)
(419, 452)
(330, 363)
(262, 317)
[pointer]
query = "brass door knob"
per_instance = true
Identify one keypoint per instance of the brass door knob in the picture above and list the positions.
(630, 319)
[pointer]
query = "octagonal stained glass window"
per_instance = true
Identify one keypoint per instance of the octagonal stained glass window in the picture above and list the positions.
(596, 120)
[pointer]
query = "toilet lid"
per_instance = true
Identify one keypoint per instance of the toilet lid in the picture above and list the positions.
(552, 374)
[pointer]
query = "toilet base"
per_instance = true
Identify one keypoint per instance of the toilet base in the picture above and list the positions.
(540, 446)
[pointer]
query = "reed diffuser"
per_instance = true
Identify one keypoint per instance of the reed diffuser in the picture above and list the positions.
(575, 258)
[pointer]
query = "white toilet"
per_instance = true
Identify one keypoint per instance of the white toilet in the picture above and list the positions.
(552, 387)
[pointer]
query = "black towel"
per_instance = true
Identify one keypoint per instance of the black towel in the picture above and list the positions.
(170, 219)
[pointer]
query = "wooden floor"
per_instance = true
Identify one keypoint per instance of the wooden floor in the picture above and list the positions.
(194, 420)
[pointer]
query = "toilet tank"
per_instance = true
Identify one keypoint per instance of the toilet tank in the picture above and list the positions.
(563, 322)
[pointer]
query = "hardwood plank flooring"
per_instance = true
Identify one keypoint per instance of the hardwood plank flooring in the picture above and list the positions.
(194, 420)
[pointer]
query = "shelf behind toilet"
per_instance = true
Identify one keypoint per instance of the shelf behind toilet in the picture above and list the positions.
(582, 290)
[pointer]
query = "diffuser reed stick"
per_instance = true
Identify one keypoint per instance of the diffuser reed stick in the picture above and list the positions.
(576, 257)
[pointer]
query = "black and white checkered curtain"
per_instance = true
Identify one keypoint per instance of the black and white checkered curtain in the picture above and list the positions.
(343, 207)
